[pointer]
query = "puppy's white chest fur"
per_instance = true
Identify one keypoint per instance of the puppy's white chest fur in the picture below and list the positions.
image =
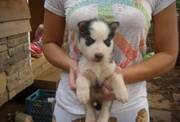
(100, 70)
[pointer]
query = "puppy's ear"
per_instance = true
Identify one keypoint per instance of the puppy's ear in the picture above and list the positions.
(114, 26)
(82, 26)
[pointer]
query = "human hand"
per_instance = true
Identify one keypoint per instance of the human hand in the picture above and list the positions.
(73, 74)
(107, 91)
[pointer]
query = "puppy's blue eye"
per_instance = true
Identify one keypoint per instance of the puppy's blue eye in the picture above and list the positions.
(107, 42)
(89, 41)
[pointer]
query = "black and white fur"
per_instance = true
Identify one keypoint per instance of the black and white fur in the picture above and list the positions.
(96, 65)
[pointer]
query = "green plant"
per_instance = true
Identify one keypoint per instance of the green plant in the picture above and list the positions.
(178, 4)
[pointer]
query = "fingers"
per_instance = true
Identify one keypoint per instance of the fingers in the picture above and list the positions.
(118, 69)
(107, 85)
(73, 75)
(107, 94)
(72, 82)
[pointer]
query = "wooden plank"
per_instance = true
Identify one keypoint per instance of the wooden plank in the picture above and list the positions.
(48, 79)
(41, 84)
(13, 10)
(38, 62)
(52, 74)
(14, 27)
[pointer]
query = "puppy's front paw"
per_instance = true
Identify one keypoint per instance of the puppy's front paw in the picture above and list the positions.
(121, 95)
(119, 88)
(83, 95)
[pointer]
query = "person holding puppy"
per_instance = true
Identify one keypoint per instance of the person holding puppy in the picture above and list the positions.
(135, 18)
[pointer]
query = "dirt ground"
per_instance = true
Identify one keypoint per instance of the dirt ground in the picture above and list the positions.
(164, 97)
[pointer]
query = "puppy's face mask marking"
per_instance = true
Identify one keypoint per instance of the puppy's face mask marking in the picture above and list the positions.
(96, 39)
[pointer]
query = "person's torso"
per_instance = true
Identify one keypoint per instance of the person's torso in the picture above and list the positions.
(134, 17)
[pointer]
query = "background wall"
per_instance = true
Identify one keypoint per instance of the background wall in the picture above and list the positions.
(37, 14)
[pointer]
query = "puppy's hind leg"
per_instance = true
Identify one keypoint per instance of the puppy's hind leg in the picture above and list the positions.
(104, 114)
(83, 89)
(90, 113)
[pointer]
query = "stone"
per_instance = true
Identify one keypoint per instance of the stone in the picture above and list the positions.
(14, 84)
(3, 48)
(11, 69)
(22, 73)
(2, 67)
(3, 41)
(19, 88)
(3, 82)
(13, 81)
(159, 102)
(25, 73)
(3, 97)
(26, 46)
(15, 40)
(15, 50)
(4, 57)
(18, 57)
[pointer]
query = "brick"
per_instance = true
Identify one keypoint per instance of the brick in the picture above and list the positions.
(157, 101)
(3, 82)
(16, 50)
(3, 41)
(17, 39)
(160, 116)
(3, 48)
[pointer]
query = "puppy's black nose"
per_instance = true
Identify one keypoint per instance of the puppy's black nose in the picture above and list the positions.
(99, 56)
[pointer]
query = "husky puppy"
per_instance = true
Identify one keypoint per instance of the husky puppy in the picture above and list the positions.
(96, 65)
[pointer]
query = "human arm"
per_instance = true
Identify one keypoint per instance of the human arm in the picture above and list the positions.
(54, 27)
(166, 49)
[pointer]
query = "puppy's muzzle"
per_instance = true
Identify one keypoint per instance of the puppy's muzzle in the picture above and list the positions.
(98, 56)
